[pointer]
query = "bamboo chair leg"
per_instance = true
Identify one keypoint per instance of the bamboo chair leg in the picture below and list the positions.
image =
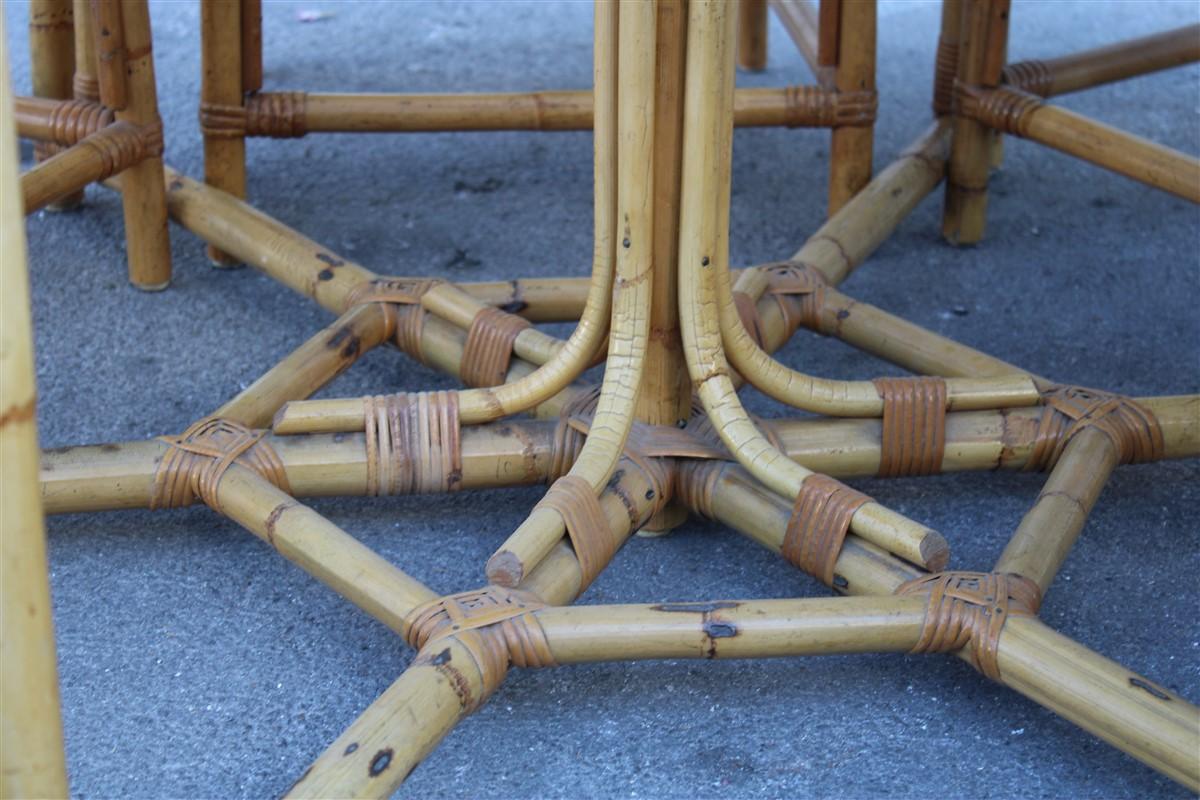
(31, 743)
(221, 95)
(52, 64)
(981, 58)
(143, 195)
(851, 147)
(85, 84)
(752, 35)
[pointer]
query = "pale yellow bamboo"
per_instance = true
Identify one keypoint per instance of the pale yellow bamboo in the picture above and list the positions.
(733, 629)
(535, 299)
(31, 740)
(629, 329)
(1128, 711)
(1049, 529)
(312, 365)
(1114, 62)
(703, 257)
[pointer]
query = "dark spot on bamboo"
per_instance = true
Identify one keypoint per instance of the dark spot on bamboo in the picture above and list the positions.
(704, 262)
(625, 242)
(273, 519)
(441, 658)
(681, 423)
(22, 413)
(325, 258)
(350, 748)
(110, 448)
(1150, 688)
(615, 480)
(325, 275)
(380, 762)
(649, 494)
(175, 184)
(514, 306)
(719, 630)
(840, 583)
(843, 314)
(693, 608)
(899, 190)
(339, 337)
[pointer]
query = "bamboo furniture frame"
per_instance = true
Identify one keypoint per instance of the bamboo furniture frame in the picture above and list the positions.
(840, 49)
(640, 451)
(95, 116)
(987, 98)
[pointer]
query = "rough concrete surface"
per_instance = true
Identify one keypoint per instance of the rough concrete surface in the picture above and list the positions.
(197, 663)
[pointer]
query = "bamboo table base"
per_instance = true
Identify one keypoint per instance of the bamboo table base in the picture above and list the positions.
(664, 435)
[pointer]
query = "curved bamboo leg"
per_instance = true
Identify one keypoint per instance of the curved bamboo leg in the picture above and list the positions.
(31, 745)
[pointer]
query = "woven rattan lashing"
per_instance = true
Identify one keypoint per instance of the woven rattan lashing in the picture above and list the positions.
(587, 527)
(800, 291)
(197, 459)
(413, 443)
(401, 300)
(489, 347)
(1133, 428)
(971, 609)
(914, 426)
(819, 523)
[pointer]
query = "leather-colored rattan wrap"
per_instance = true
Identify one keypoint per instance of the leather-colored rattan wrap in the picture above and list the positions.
(72, 120)
(944, 71)
(1133, 428)
(576, 502)
(401, 300)
(413, 443)
(800, 291)
(1004, 109)
(279, 115)
(489, 347)
(85, 87)
(1032, 76)
(971, 608)
(197, 459)
(496, 625)
(819, 523)
(568, 437)
(818, 107)
(914, 426)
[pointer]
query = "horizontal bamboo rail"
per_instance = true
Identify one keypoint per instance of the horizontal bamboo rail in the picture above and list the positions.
(1115, 62)
(62, 122)
(1147, 721)
(291, 114)
(106, 152)
(1022, 114)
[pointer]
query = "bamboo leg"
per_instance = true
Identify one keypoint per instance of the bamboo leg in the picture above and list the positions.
(983, 41)
(1045, 536)
(85, 84)
(143, 198)
(52, 64)
(946, 65)
(221, 54)
(316, 362)
(851, 147)
(31, 740)
(752, 35)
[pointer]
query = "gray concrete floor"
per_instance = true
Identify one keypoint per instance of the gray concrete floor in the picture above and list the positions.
(197, 663)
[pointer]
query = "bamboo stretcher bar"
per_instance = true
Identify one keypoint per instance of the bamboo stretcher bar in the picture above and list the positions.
(517, 453)
(1049, 529)
(703, 260)
(1135, 715)
(1022, 114)
(1051, 77)
(110, 150)
(31, 738)
(290, 114)
(58, 121)
(799, 18)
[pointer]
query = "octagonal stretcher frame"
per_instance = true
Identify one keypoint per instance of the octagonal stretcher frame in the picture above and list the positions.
(662, 436)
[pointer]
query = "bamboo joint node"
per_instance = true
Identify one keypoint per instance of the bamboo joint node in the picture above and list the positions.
(914, 426)
(1004, 109)
(279, 115)
(819, 523)
(413, 443)
(1133, 428)
(200, 456)
(944, 72)
(400, 299)
(497, 626)
(971, 608)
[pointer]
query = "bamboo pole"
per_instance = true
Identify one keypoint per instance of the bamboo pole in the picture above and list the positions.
(799, 18)
(42, 119)
(1115, 62)
(1048, 531)
(851, 146)
(1128, 711)
(946, 63)
(732, 629)
(147, 244)
(312, 365)
(1095, 142)
(752, 35)
(85, 84)
(31, 739)
(983, 39)
(98, 156)
(52, 64)
(108, 28)
(221, 52)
